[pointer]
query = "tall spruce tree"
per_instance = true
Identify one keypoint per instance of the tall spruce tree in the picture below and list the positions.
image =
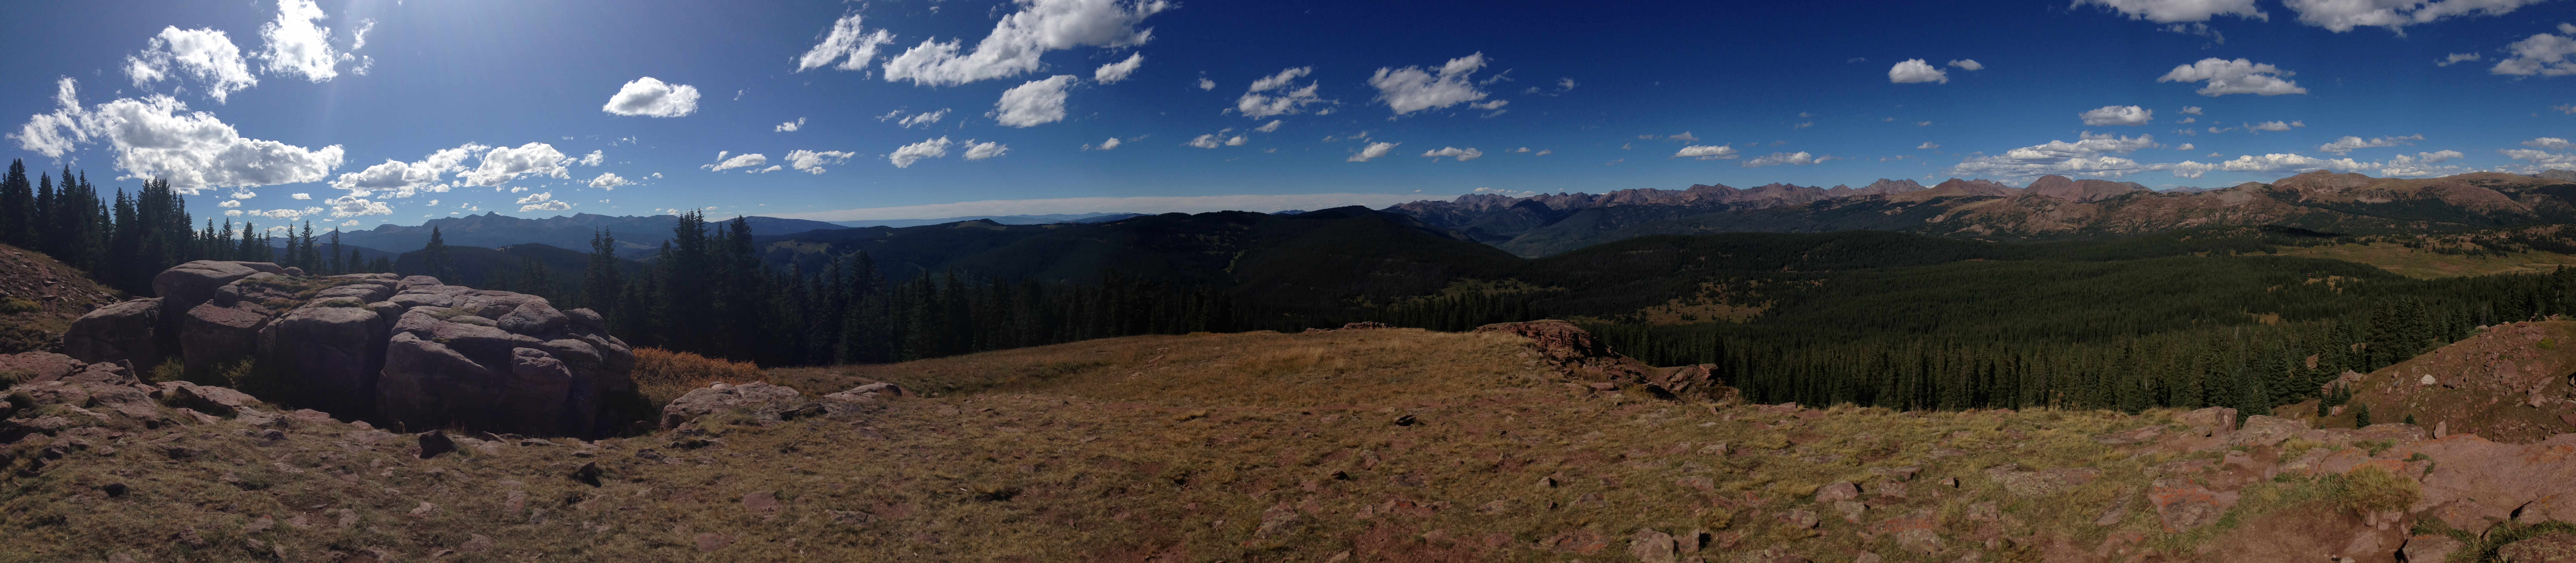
(17, 207)
(601, 283)
(433, 257)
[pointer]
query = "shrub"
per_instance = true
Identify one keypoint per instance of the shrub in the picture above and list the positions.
(662, 375)
(2371, 488)
(16, 305)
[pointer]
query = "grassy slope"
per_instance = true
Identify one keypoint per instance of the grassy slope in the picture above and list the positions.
(39, 298)
(1242, 447)
(2413, 263)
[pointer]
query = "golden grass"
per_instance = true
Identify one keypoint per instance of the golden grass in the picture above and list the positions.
(662, 375)
(1392, 445)
(2422, 264)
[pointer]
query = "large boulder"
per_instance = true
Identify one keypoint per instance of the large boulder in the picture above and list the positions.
(499, 361)
(759, 398)
(184, 286)
(34, 367)
(123, 332)
(210, 334)
(333, 353)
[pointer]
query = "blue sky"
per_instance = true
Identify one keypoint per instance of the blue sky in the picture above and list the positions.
(492, 106)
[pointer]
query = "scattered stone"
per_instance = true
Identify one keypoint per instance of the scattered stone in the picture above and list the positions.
(2553, 547)
(477, 544)
(1839, 490)
(1919, 540)
(760, 398)
(424, 510)
(2261, 430)
(435, 442)
(1851, 510)
(588, 474)
(711, 541)
(1650, 546)
(1801, 519)
(763, 504)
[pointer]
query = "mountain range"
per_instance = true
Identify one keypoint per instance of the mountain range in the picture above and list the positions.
(1002, 219)
(636, 236)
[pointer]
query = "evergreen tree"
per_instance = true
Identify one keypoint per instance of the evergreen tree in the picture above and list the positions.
(2361, 415)
(433, 258)
(339, 262)
(601, 283)
(17, 207)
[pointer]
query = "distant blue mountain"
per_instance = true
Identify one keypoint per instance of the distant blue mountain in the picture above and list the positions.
(635, 235)
(1003, 219)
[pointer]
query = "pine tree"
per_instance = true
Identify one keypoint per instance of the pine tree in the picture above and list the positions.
(433, 257)
(601, 283)
(2361, 415)
(339, 262)
(17, 207)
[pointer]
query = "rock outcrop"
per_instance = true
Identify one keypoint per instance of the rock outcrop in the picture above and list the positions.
(413, 351)
(763, 402)
(1574, 352)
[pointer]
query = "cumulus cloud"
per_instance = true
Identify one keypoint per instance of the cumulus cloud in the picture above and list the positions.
(2273, 126)
(2191, 110)
(799, 123)
(157, 137)
(2543, 54)
(2343, 15)
(1275, 95)
(1373, 151)
(1780, 158)
(812, 162)
(1038, 102)
(737, 161)
(2552, 143)
(650, 97)
(904, 156)
(847, 42)
(1112, 143)
(1208, 141)
(1204, 83)
(1113, 73)
(984, 150)
(546, 206)
(1970, 64)
(206, 56)
(2541, 158)
(537, 197)
(298, 47)
(1927, 145)
(1016, 42)
(1411, 89)
(1707, 152)
(1916, 71)
(503, 164)
(2238, 76)
(1271, 127)
(2348, 143)
(605, 181)
(300, 196)
(405, 179)
(2118, 115)
(2456, 58)
(1462, 155)
(2173, 11)
(228, 203)
(354, 206)
(595, 158)
(2090, 154)
(2184, 147)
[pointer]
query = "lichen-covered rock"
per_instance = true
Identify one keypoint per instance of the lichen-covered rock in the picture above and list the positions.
(760, 399)
(2263, 430)
(334, 353)
(123, 332)
(34, 367)
(499, 361)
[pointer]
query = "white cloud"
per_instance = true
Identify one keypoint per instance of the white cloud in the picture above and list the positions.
(406, 179)
(1205, 84)
(232, 212)
(1462, 155)
(1113, 73)
(1685, 137)
(2457, 58)
(300, 196)
(904, 156)
(812, 162)
(1271, 127)
(547, 206)
(2540, 158)
(1038, 102)
(2118, 115)
(537, 197)
(2171, 11)
(2238, 76)
(2191, 110)
(924, 119)
(353, 206)
(206, 55)
(503, 164)
(2090, 154)
(1272, 95)
(605, 181)
(984, 150)
(1142, 204)
(2552, 143)
(1970, 64)
(1373, 151)
(799, 123)
(2542, 54)
(240, 194)
(1208, 141)
(2274, 126)
(1112, 143)
(1016, 42)
(738, 161)
(1803, 125)
(1927, 145)
(595, 158)
(1237, 141)
(849, 43)
(153, 138)
(1707, 152)
(2184, 147)
(2348, 143)
(1411, 89)
(2343, 15)
(1916, 71)
(298, 47)
(650, 97)
(2189, 120)
(228, 203)
(1779, 158)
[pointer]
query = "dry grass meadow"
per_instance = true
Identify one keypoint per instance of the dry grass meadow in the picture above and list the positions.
(1362, 445)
